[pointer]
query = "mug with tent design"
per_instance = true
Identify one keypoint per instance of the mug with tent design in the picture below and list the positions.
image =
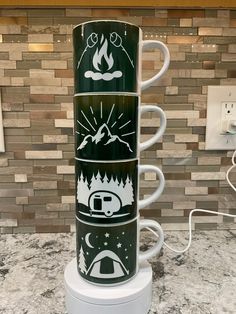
(107, 127)
(108, 55)
(107, 192)
(109, 254)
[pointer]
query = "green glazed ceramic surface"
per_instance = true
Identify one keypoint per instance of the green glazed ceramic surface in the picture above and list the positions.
(106, 192)
(106, 127)
(106, 255)
(106, 57)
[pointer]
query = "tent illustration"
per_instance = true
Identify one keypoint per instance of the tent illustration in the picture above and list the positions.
(107, 265)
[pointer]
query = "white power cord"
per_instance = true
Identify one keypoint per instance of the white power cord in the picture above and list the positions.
(201, 210)
(229, 170)
(190, 227)
(228, 127)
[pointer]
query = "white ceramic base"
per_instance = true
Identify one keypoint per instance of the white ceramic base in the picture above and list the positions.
(133, 297)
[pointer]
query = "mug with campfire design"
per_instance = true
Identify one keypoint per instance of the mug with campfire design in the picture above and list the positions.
(108, 55)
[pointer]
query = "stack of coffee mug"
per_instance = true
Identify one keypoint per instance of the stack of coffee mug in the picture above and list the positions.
(107, 72)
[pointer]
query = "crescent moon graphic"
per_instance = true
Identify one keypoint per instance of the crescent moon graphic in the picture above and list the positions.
(87, 240)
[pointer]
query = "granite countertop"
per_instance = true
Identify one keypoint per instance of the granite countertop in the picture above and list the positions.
(203, 280)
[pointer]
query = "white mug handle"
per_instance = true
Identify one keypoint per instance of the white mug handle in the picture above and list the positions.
(160, 131)
(154, 196)
(154, 250)
(156, 44)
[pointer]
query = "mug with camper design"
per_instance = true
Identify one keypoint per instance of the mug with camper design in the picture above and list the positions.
(109, 254)
(107, 126)
(107, 192)
(108, 55)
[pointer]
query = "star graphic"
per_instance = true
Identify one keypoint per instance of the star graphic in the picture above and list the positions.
(105, 243)
(87, 253)
(123, 232)
(126, 257)
(125, 249)
(107, 235)
(119, 245)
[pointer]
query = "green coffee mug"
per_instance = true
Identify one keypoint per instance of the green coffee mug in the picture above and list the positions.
(109, 254)
(107, 127)
(108, 192)
(107, 57)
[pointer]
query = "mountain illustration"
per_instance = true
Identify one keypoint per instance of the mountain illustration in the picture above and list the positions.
(104, 137)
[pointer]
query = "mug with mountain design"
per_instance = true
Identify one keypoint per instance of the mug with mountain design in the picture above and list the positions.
(108, 192)
(108, 55)
(109, 254)
(107, 127)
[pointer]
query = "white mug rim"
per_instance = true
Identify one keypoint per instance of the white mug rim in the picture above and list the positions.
(107, 94)
(106, 20)
(118, 224)
(115, 161)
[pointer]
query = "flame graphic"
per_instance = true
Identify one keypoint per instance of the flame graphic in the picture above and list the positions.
(102, 53)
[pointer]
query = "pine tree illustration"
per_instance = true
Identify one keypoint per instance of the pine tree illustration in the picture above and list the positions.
(106, 184)
(82, 264)
(99, 177)
(129, 191)
(82, 190)
(93, 184)
(80, 179)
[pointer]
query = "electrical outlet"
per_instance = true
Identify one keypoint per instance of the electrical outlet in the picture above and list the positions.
(221, 118)
(228, 115)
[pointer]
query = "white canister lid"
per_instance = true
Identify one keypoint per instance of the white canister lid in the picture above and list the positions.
(107, 295)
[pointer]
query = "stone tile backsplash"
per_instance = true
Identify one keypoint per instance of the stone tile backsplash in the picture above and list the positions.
(36, 80)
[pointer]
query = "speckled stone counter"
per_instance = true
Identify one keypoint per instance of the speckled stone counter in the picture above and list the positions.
(201, 281)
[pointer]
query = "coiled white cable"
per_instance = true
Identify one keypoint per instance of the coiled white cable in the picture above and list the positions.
(201, 210)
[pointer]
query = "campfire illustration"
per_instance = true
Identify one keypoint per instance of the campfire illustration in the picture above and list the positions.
(102, 56)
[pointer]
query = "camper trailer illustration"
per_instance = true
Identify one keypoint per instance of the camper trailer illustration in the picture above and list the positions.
(105, 202)
(105, 196)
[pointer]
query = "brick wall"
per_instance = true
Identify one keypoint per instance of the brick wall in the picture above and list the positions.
(37, 169)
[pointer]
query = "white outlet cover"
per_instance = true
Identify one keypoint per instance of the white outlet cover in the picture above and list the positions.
(217, 96)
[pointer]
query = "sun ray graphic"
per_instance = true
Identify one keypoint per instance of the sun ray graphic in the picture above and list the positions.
(88, 120)
(128, 133)
(80, 133)
(110, 113)
(121, 127)
(83, 126)
(117, 119)
(101, 109)
(93, 123)
(120, 115)
(114, 124)
(94, 119)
